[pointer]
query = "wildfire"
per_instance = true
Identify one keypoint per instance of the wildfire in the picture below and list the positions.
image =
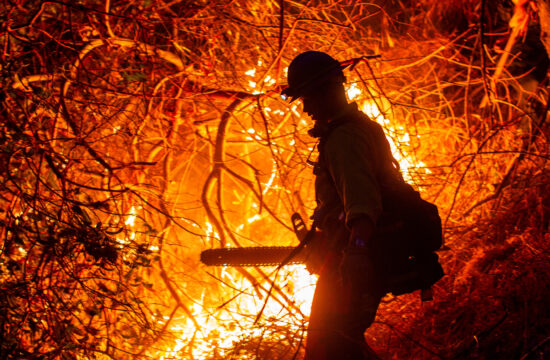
(130, 220)
(222, 327)
(396, 134)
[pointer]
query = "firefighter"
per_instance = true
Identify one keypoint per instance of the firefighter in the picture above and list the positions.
(353, 155)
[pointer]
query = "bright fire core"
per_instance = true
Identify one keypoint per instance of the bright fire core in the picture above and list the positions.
(222, 329)
(232, 322)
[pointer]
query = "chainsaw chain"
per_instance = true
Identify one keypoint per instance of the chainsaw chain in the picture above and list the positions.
(250, 256)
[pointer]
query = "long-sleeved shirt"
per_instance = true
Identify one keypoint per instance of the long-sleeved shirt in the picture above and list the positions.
(354, 156)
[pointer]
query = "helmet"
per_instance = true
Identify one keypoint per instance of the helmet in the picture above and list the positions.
(309, 70)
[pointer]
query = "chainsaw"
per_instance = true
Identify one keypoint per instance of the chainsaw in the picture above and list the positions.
(263, 255)
(415, 276)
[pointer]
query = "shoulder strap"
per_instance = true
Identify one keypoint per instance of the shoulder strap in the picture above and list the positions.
(387, 169)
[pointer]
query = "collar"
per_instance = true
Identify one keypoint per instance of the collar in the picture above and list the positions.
(321, 129)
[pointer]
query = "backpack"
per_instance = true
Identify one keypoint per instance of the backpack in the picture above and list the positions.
(409, 232)
(409, 229)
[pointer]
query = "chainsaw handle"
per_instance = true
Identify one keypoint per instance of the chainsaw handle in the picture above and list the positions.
(299, 226)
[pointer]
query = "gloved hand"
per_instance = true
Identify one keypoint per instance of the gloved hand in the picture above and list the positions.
(355, 266)
(316, 252)
(361, 232)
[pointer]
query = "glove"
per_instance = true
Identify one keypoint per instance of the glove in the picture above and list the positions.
(361, 232)
(316, 252)
(355, 267)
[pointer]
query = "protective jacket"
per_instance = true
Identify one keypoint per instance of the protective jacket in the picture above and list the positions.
(357, 176)
(355, 162)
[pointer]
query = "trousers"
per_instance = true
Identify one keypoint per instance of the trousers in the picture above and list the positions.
(340, 314)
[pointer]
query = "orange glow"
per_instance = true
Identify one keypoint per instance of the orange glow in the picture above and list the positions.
(221, 328)
(137, 134)
(396, 134)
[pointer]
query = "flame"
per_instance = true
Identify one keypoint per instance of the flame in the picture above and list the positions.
(398, 133)
(220, 330)
(400, 136)
(130, 220)
(210, 234)
(222, 326)
(271, 179)
(353, 92)
(254, 218)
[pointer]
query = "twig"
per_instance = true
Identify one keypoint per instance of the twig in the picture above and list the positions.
(408, 337)
(535, 348)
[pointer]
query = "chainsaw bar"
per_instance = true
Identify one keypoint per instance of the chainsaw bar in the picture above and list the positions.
(250, 256)
(259, 255)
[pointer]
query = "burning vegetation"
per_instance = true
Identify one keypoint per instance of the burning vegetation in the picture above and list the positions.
(136, 134)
